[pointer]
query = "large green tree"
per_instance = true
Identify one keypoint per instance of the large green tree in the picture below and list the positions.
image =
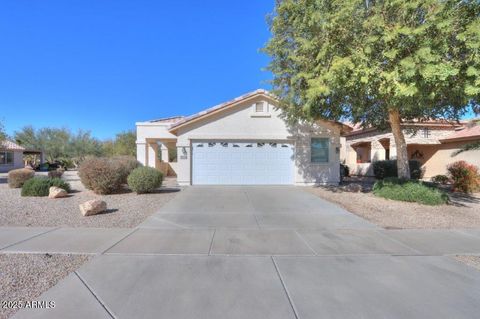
(375, 62)
(123, 144)
(59, 143)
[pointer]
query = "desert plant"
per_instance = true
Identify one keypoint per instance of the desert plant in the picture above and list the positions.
(144, 179)
(40, 186)
(125, 165)
(344, 170)
(384, 169)
(440, 179)
(17, 177)
(101, 175)
(409, 191)
(465, 177)
(56, 173)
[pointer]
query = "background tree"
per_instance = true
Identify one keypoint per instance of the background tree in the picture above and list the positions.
(59, 144)
(125, 143)
(377, 63)
(3, 135)
(83, 144)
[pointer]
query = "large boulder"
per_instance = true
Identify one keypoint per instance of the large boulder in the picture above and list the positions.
(57, 192)
(93, 207)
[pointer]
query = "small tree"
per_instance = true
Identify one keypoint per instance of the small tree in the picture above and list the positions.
(3, 135)
(376, 62)
(125, 143)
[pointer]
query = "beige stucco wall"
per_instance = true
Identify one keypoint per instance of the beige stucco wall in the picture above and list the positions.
(148, 136)
(414, 139)
(436, 158)
(240, 123)
(17, 162)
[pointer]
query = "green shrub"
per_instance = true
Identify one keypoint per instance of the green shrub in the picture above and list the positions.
(39, 186)
(125, 165)
(144, 180)
(56, 173)
(409, 191)
(344, 170)
(384, 169)
(17, 177)
(440, 179)
(101, 175)
(465, 177)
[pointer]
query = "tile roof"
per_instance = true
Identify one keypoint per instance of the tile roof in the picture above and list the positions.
(469, 132)
(219, 106)
(10, 146)
(172, 119)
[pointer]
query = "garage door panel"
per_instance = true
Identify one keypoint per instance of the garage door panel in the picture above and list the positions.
(259, 163)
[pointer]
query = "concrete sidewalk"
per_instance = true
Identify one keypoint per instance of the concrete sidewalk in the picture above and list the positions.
(256, 252)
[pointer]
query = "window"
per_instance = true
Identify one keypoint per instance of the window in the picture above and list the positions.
(6, 158)
(426, 132)
(319, 150)
(259, 107)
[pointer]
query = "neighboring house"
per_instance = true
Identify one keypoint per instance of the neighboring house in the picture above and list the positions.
(433, 143)
(242, 142)
(11, 156)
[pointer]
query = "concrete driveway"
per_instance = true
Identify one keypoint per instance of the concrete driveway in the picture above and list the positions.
(262, 252)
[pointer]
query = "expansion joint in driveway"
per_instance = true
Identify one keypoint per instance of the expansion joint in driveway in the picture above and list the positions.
(126, 236)
(24, 240)
(253, 208)
(285, 287)
(104, 306)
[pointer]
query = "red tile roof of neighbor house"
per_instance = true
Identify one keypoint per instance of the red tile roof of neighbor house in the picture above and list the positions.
(441, 123)
(470, 132)
(10, 146)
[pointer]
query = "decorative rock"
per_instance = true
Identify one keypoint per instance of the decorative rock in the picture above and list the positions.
(354, 188)
(93, 207)
(57, 192)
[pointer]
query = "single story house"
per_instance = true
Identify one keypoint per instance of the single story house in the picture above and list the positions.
(11, 156)
(433, 143)
(244, 141)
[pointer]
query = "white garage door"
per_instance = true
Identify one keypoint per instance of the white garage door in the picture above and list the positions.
(242, 163)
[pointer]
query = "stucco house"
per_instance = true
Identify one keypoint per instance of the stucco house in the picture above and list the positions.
(11, 156)
(244, 141)
(432, 143)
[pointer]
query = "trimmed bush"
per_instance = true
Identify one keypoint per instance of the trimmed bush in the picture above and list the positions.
(344, 170)
(39, 186)
(17, 177)
(101, 175)
(125, 165)
(144, 180)
(409, 191)
(56, 173)
(440, 179)
(465, 177)
(384, 169)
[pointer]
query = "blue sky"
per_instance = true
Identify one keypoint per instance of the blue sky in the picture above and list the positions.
(102, 65)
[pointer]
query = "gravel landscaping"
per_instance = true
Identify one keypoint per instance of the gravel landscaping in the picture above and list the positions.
(463, 212)
(124, 210)
(473, 261)
(24, 277)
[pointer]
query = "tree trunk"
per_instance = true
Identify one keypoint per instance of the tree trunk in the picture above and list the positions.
(401, 145)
